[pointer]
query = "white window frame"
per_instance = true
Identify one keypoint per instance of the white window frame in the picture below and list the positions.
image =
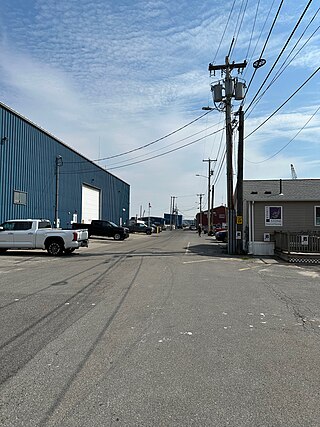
(19, 197)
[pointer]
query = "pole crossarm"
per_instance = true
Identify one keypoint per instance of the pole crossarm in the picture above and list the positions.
(232, 66)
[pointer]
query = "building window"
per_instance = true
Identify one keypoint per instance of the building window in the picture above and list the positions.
(273, 216)
(317, 215)
(19, 197)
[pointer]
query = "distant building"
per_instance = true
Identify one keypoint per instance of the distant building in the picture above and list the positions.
(173, 219)
(218, 217)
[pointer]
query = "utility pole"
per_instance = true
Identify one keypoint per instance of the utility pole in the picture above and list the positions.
(200, 202)
(56, 210)
(212, 204)
(210, 172)
(239, 237)
(232, 88)
(175, 211)
(149, 212)
(172, 210)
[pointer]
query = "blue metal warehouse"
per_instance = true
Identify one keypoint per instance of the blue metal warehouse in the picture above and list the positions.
(41, 177)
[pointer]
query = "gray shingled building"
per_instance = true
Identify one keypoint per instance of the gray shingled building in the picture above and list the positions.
(278, 205)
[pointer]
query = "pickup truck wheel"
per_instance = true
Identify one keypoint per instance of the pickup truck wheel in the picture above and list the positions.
(55, 248)
(148, 232)
(69, 250)
(117, 236)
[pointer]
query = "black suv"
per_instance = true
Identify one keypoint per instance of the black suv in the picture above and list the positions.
(140, 228)
(105, 228)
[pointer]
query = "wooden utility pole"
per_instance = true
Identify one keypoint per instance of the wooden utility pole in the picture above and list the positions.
(240, 183)
(229, 93)
(210, 172)
(212, 204)
(200, 216)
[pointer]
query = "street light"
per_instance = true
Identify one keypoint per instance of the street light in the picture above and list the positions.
(208, 108)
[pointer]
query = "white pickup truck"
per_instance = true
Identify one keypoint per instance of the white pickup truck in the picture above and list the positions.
(38, 234)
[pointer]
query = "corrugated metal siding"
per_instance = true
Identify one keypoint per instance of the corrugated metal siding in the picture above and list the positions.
(27, 163)
(297, 216)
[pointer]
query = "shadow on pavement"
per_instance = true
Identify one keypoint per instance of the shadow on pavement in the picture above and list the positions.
(209, 248)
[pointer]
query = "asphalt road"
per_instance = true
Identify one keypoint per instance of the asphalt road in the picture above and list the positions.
(161, 330)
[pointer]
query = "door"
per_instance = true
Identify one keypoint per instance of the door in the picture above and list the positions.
(23, 236)
(6, 235)
(90, 204)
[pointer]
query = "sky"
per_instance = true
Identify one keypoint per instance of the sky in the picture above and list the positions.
(109, 77)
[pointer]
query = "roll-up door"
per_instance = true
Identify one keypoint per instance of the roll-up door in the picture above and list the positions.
(90, 204)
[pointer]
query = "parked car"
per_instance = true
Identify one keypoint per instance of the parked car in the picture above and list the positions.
(156, 228)
(222, 235)
(38, 234)
(140, 228)
(104, 228)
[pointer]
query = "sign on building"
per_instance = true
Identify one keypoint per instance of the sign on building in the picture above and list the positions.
(273, 215)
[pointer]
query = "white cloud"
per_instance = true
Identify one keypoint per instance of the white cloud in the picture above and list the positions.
(106, 77)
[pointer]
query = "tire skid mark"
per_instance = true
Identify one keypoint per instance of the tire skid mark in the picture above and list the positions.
(54, 320)
(63, 310)
(85, 270)
(81, 395)
(81, 365)
(62, 305)
(162, 241)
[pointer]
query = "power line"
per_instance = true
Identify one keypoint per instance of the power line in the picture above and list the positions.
(258, 39)
(220, 145)
(281, 52)
(157, 140)
(224, 31)
(253, 27)
(282, 67)
(152, 157)
(286, 145)
(220, 168)
(167, 152)
(240, 25)
(264, 47)
(150, 143)
(169, 145)
(284, 103)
